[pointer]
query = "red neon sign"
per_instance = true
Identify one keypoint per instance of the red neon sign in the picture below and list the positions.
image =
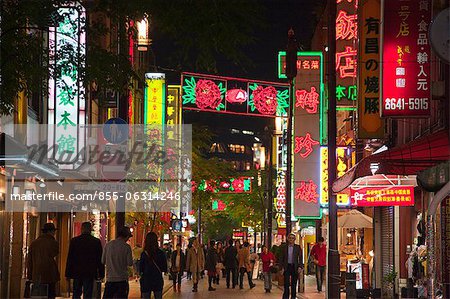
(346, 26)
(305, 143)
(310, 100)
(348, 68)
(382, 196)
(307, 192)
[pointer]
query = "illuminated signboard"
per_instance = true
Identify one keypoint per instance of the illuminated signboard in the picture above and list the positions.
(66, 101)
(218, 205)
(344, 161)
(346, 52)
(234, 95)
(280, 200)
(382, 196)
(406, 59)
(154, 98)
(232, 185)
(307, 135)
(370, 124)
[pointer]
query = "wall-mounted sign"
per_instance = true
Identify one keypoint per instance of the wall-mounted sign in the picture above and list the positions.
(66, 97)
(406, 59)
(346, 53)
(154, 98)
(234, 95)
(344, 161)
(308, 134)
(382, 196)
(370, 124)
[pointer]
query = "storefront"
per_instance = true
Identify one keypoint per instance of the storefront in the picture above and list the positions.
(386, 182)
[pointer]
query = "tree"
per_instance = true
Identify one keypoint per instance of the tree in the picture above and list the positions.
(200, 30)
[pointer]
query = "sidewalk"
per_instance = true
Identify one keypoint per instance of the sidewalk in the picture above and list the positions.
(222, 292)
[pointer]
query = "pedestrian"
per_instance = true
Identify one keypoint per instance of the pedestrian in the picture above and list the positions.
(211, 263)
(319, 255)
(137, 251)
(205, 251)
(42, 267)
(195, 263)
(178, 262)
(84, 262)
(117, 257)
(245, 266)
(188, 273)
(292, 262)
(230, 264)
(268, 260)
(219, 267)
(153, 266)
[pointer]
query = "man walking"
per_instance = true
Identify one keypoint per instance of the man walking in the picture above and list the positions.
(84, 263)
(319, 255)
(117, 257)
(230, 263)
(195, 263)
(42, 267)
(292, 262)
(245, 266)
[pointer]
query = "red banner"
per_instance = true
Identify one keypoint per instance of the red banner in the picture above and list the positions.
(382, 196)
(406, 58)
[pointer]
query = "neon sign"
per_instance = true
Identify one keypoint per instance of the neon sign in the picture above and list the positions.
(346, 52)
(307, 100)
(307, 191)
(232, 185)
(305, 143)
(154, 98)
(382, 196)
(234, 95)
(66, 101)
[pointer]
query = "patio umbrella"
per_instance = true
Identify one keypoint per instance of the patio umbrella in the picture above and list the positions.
(354, 219)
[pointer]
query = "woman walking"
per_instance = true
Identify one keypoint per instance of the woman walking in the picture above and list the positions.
(178, 263)
(220, 259)
(152, 266)
(268, 260)
(195, 263)
(211, 263)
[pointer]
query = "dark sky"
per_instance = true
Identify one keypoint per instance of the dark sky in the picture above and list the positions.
(279, 15)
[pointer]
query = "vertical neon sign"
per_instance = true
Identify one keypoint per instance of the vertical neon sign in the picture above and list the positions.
(66, 102)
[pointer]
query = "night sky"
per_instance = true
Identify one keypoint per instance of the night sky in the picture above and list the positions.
(279, 16)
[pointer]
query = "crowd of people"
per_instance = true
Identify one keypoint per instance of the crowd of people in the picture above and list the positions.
(87, 260)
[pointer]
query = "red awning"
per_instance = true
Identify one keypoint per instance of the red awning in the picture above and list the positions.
(407, 159)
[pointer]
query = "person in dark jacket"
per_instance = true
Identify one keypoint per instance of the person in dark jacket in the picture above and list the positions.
(211, 263)
(84, 262)
(178, 262)
(153, 266)
(230, 263)
(292, 262)
(42, 267)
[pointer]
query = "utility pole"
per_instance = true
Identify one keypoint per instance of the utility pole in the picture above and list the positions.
(291, 73)
(269, 188)
(333, 287)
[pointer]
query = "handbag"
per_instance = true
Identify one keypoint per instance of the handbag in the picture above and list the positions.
(219, 266)
(274, 269)
(39, 290)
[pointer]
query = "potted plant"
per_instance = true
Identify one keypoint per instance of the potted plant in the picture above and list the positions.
(389, 279)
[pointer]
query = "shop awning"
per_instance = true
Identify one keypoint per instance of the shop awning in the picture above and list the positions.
(14, 154)
(407, 159)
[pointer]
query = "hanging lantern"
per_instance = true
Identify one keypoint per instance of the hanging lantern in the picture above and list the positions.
(143, 39)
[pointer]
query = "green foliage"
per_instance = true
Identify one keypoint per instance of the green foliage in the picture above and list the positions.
(200, 30)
